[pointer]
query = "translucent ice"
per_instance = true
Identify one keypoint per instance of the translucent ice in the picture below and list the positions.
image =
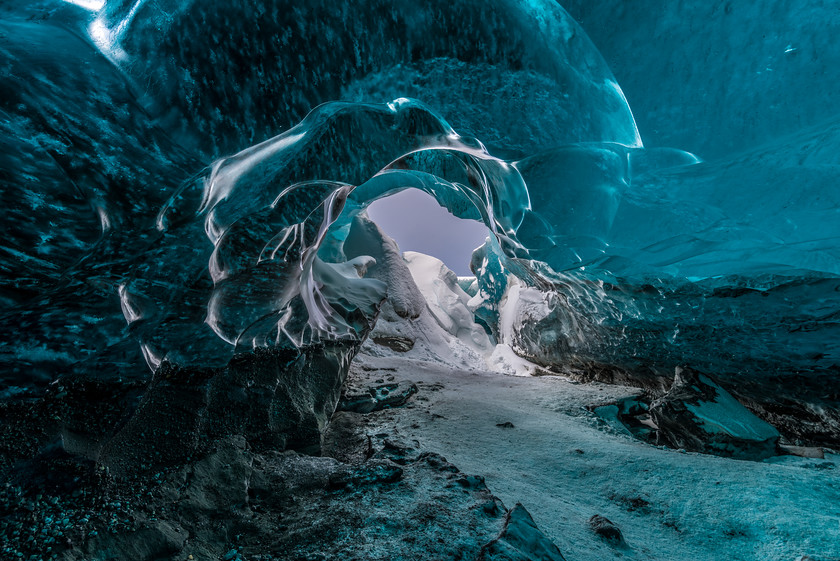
(180, 181)
(518, 75)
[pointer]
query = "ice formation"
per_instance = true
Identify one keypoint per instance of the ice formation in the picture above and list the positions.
(153, 215)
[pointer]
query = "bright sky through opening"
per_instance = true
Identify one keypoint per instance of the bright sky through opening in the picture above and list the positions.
(418, 223)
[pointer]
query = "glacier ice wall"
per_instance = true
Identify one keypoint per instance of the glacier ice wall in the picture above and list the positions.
(116, 234)
(179, 179)
(719, 77)
(225, 75)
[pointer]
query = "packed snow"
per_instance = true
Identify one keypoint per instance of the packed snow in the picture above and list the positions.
(565, 465)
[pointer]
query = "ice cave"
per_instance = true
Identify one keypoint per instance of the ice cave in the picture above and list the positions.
(522, 280)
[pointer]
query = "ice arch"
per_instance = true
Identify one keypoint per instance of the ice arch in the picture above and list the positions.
(267, 225)
(272, 234)
(265, 230)
(109, 146)
(248, 252)
(646, 255)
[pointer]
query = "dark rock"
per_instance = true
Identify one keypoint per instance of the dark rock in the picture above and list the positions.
(155, 540)
(275, 398)
(654, 381)
(219, 481)
(76, 414)
(699, 415)
(393, 395)
(803, 451)
(397, 452)
(520, 540)
(399, 344)
(372, 473)
(606, 529)
(471, 482)
(797, 393)
(55, 472)
(354, 403)
(380, 397)
(438, 462)
(630, 416)
(370, 514)
(345, 438)
(233, 494)
(805, 408)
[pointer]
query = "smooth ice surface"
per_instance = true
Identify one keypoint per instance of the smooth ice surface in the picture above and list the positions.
(719, 77)
(725, 414)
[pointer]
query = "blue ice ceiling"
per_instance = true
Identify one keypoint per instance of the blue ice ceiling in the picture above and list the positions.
(178, 179)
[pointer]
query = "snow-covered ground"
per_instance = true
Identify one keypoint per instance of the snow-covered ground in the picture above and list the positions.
(565, 466)
(444, 327)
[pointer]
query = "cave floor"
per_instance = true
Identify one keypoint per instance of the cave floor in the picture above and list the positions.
(566, 465)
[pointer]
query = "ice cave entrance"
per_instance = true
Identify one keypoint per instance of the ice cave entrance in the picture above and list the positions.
(417, 222)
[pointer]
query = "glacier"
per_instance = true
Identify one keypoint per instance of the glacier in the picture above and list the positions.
(648, 247)
(185, 190)
(135, 240)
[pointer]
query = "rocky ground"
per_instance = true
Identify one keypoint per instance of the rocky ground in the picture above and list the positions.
(426, 461)
(536, 441)
(370, 495)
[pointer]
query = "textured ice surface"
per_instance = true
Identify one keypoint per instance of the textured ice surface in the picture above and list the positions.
(719, 77)
(225, 75)
(153, 215)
